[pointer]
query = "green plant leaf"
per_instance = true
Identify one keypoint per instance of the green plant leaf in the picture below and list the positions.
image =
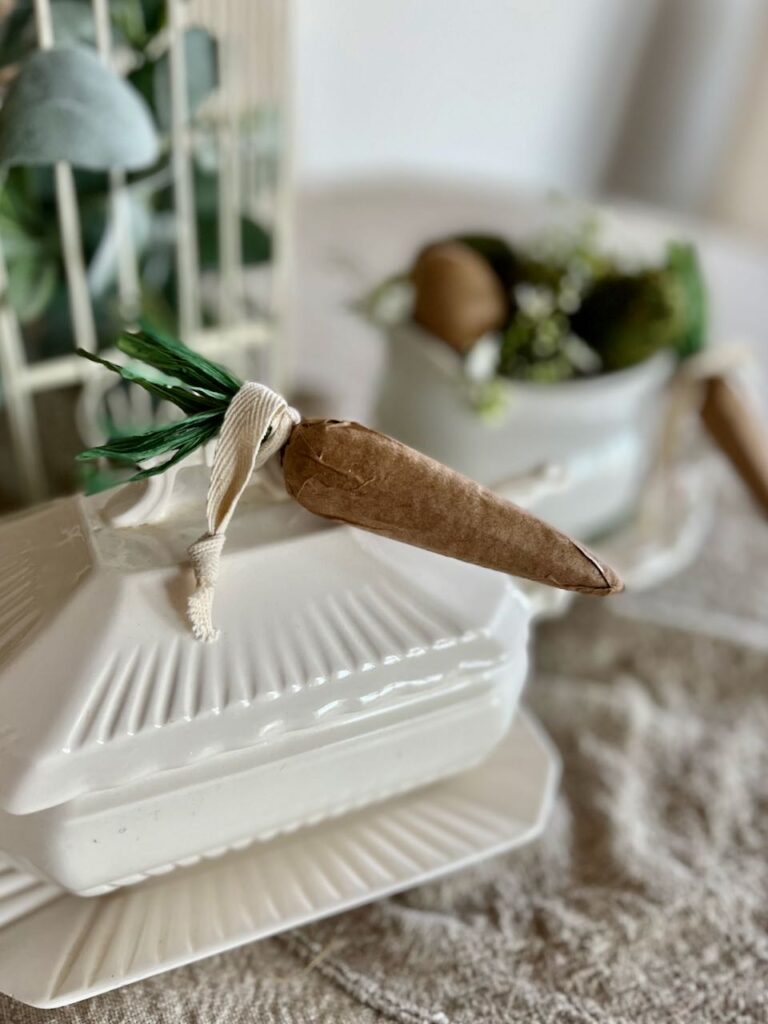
(24, 232)
(73, 25)
(65, 104)
(16, 33)
(202, 63)
(683, 261)
(497, 251)
(155, 12)
(103, 265)
(255, 242)
(31, 286)
(129, 19)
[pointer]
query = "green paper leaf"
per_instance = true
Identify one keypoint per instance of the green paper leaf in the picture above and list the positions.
(176, 360)
(150, 444)
(188, 400)
(182, 452)
(204, 386)
(202, 64)
(65, 104)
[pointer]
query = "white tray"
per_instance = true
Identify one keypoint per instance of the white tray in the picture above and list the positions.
(56, 949)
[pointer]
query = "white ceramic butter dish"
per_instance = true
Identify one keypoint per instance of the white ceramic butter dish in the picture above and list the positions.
(349, 668)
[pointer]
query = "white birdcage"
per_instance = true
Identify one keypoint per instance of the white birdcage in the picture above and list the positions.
(235, 138)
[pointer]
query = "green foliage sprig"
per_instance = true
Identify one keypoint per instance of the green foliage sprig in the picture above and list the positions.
(200, 388)
(576, 311)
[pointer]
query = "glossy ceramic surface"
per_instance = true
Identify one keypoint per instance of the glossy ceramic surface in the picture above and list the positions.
(56, 949)
(599, 433)
(350, 668)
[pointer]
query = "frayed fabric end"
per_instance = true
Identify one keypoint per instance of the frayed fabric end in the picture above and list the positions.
(205, 556)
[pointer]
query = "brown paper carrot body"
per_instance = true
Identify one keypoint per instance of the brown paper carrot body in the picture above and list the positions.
(346, 472)
(738, 430)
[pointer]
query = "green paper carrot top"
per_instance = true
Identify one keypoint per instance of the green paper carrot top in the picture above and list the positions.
(335, 469)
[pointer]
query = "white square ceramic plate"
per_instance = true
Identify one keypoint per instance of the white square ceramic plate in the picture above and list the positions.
(56, 949)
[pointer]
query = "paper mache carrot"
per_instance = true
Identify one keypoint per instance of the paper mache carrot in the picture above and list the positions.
(338, 470)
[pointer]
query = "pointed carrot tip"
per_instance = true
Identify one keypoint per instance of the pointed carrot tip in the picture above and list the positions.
(602, 580)
(612, 583)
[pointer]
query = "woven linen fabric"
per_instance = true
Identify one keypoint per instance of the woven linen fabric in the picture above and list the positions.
(644, 902)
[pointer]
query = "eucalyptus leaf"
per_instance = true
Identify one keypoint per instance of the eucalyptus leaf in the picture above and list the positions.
(16, 39)
(255, 242)
(65, 104)
(31, 286)
(155, 14)
(202, 62)
(30, 247)
(72, 22)
(22, 230)
(129, 20)
(103, 267)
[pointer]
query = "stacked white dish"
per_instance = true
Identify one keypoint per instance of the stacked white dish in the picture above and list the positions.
(350, 668)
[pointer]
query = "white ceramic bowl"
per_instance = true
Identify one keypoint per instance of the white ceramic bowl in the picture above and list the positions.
(601, 433)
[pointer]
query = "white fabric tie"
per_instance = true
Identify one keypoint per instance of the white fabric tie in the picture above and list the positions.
(687, 390)
(683, 400)
(256, 425)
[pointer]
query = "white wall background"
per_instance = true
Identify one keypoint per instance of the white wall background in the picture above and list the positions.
(523, 90)
(641, 96)
(678, 133)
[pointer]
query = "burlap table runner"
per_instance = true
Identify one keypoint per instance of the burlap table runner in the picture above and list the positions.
(646, 900)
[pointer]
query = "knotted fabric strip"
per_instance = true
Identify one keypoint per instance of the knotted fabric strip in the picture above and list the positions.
(256, 425)
(686, 391)
(683, 400)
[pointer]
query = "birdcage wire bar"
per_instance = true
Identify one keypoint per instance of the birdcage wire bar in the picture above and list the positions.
(254, 38)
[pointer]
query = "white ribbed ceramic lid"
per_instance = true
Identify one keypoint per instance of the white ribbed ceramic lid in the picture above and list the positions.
(101, 682)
